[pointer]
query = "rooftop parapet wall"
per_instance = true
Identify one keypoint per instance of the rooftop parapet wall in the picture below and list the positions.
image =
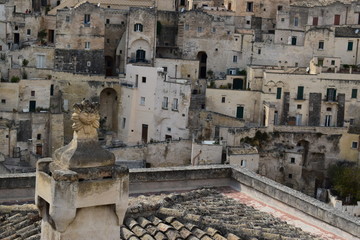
(181, 178)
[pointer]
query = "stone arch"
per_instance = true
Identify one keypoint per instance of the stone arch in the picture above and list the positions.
(202, 57)
(140, 51)
(108, 110)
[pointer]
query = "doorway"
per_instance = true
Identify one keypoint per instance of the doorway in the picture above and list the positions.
(202, 57)
(144, 133)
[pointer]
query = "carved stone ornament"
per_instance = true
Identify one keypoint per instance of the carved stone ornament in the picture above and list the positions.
(84, 151)
(86, 119)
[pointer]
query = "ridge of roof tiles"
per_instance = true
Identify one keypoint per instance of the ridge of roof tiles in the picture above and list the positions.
(199, 214)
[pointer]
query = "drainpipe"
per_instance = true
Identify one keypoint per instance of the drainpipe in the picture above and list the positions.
(9, 142)
(357, 51)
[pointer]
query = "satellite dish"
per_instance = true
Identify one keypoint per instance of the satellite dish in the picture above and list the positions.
(307, 69)
(357, 31)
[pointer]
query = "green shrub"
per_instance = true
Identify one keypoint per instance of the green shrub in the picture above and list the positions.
(15, 79)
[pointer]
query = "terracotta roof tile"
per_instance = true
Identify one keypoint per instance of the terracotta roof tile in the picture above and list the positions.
(201, 214)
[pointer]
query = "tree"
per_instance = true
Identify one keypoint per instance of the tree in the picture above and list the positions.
(345, 180)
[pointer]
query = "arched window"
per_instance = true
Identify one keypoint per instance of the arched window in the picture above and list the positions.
(138, 27)
(140, 55)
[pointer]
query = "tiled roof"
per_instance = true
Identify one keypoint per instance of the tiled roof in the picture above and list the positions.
(199, 214)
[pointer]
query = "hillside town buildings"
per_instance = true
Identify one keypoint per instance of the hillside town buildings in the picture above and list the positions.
(274, 83)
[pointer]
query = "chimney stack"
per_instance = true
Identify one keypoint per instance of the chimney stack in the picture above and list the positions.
(81, 193)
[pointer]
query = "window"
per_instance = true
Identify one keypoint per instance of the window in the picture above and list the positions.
(292, 160)
(142, 101)
(140, 55)
(28, 32)
(52, 90)
(327, 120)
(259, 50)
(359, 18)
(240, 112)
(87, 19)
(87, 45)
(321, 45)
(165, 103)
(329, 109)
(249, 6)
(300, 93)
(243, 163)
(123, 122)
(337, 19)
(108, 40)
(38, 137)
(298, 106)
(16, 28)
(350, 45)
(107, 21)
(182, 3)
(315, 21)
(290, 175)
(333, 62)
(283, 19)
(331, 94)
(223, 99)
(3, 101)
(234, 59)
(279, 7)
(278, 93)
(352, 121)
(165, 69)
(296, 21)
(144, 79)
(186, 27)
(33, 93)
(40, 61)
(199, 29)
(213, 29)
(67, 18)
(354, 93)
(138, 27)
(175, 104)
(354, 145)
(293, 40)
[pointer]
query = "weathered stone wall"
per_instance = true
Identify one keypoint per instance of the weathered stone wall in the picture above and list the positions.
(162, 154)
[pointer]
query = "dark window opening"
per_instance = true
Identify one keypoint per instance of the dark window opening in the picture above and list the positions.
(300, 93)
(138, 27)
(52, 90)
(350, 46)
(278, 93)
(87, 19)
(337, 19)
(249, 6)
(331, 94)
(144, 79)
(140, 55)
(292, 160)
(222, 99)
(354, 93)
(38, 137)
(315, 21)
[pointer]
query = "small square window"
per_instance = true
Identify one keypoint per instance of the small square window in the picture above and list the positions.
(107, 21)
(292, 160)
(168, 129)
(200, 29)
(108, 40)
(328, 109)
(67, 19)
(16, 28)
(222, 99)
(279, 7)
(142, 101)
(299, 106)
(352, 121)
(33, 93)
(247, 22)
(144, 79)
(290, 175)
(333, 62)
(3, 101)
(259, 50)
(38, 137)
(354, 145)
(28, 32)
(283, 19)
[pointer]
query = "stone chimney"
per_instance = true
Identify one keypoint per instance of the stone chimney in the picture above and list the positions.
(81, 193)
